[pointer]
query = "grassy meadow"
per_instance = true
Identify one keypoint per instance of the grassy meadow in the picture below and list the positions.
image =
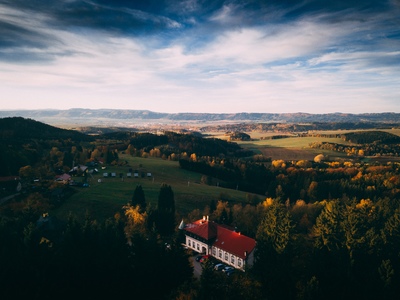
(290, 148)
(103, 199)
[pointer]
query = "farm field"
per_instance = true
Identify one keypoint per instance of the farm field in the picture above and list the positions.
(395, 131)
(103, 199)
(292, 148)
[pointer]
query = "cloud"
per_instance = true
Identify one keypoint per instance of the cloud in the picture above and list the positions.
(219, 56)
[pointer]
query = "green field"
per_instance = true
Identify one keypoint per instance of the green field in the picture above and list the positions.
(293, 148)
(103, 199)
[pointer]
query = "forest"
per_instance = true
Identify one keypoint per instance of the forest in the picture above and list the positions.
(324, 229)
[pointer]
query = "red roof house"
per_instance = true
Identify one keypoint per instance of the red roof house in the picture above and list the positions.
(221, 242)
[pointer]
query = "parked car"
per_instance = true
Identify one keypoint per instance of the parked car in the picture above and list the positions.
(198, 257)
(228, 269)
(219, 267)
(204, 258)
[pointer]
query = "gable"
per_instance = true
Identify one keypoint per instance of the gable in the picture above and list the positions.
(203, 229)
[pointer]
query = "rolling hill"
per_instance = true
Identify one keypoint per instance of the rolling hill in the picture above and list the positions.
(119, 116)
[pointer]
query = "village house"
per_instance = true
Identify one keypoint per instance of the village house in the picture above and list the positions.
(78, 170)
(221, 242)
(64, 178)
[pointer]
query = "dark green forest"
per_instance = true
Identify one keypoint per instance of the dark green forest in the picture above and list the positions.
(324, 230)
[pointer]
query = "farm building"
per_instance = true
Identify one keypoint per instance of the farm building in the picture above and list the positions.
(78, 170)
(64, 178)
(221, 242)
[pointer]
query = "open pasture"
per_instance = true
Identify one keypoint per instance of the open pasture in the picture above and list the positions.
(103, 199)
(292, 148)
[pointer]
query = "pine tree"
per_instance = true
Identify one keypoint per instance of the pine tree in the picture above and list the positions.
(327, 230)
(165, 220)
(138, 198)
(273, 254)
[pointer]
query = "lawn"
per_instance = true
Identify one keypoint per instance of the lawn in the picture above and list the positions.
(103, 199)
(293, 148)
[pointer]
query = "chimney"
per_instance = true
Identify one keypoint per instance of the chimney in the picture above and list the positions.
(207, 219)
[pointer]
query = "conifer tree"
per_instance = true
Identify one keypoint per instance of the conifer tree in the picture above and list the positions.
(165, 220)
(138, 198)
(273, 254)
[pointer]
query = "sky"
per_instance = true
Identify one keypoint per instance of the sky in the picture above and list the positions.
(269, 56)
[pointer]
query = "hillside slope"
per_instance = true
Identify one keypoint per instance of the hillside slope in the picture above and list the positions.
(20, 128)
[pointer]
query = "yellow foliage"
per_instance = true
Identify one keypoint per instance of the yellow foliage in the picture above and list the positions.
(133, 214)
(268, 202)
(358, 176)
(300, 203)
(135, 220)
(278, 163)
(319, 158)
(45, 241)
(334, 164)
(303, 163)
(348, 164)
(364, 203)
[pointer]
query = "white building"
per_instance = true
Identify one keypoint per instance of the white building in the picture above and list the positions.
(225, 244)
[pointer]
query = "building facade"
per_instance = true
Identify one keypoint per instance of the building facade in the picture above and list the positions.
(224, 243)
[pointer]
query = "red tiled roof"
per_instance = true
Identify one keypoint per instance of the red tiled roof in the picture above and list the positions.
(234, 242)
(226, 239)
(64, 176)
(204, 229)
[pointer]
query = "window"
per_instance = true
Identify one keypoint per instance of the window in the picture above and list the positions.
(198, 246)
(189, 243)
(239, 262)
(226, 256)
(214, 252)
(233, 259)
(220, 254)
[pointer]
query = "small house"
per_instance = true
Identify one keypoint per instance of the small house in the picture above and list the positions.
(78, 170)
(64, 178)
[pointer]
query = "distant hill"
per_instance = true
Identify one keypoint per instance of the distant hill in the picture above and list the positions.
(26, 142)
(13, 128)
(369, 137)
(110, 116)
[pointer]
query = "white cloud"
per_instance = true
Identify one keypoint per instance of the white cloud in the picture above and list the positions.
(280, 68)
(224, 15)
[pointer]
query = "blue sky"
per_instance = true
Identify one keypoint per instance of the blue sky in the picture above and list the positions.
(277, 56)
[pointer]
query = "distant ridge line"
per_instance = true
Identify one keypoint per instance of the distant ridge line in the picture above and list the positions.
(125, 115)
